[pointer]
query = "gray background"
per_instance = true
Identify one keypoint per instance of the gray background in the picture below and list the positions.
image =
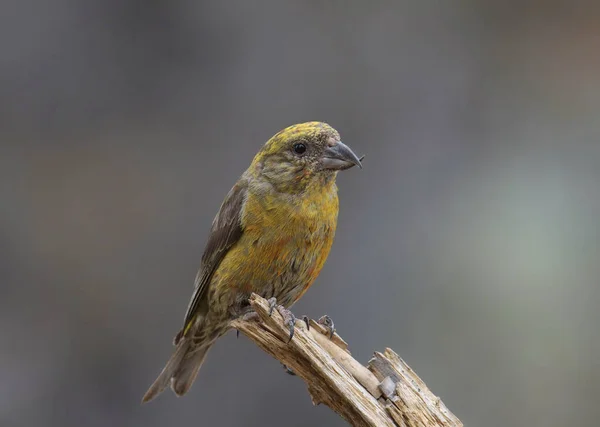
(468, 243)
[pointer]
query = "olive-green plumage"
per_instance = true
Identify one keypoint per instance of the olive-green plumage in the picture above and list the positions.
(271, 236)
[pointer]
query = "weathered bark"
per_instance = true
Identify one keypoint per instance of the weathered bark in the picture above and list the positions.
(387, 392)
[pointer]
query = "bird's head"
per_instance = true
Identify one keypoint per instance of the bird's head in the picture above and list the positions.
(303, 154)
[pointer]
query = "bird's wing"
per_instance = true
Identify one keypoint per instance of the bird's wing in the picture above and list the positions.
(226, 230)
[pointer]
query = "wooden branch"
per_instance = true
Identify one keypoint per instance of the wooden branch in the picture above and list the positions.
(387, 392)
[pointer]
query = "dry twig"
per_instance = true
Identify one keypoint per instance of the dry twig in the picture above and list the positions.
(387, 392)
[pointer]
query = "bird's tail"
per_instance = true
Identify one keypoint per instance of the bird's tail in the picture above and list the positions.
(181, 369)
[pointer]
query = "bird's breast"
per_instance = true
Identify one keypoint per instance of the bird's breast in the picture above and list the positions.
(283, 247)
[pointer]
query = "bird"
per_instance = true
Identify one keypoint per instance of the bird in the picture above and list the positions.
(271, 236)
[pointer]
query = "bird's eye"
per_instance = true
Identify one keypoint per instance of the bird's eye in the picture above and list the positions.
(299, 148)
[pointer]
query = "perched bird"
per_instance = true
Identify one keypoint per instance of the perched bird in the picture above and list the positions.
(271, 236)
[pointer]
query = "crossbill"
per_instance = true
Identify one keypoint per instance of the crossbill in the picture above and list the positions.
(271, 236)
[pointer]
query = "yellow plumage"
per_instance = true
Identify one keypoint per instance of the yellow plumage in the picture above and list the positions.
(271, 236)
(283, 248)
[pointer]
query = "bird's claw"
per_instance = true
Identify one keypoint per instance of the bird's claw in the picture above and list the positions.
(288, 317)
(272, 304)
(251, 316)
(328, 324)
(288, 370)
(307, 321)
(324, 321)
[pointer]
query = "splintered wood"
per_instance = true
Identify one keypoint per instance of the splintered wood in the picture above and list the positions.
(385, 393)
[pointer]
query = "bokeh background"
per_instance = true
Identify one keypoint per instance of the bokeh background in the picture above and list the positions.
(469, 242)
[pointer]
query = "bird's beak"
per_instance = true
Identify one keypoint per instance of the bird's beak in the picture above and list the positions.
(339, 157)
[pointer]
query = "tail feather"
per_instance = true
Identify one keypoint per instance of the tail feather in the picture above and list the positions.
(181, 369)
(188, 370)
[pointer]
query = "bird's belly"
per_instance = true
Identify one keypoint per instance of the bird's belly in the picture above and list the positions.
(280, 264)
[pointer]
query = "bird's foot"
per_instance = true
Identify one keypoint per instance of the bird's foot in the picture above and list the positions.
(288, 317)
(272, 304)
(251, 316)
(328, 324)
(324, 321)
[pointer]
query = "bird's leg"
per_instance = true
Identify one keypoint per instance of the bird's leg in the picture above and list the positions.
(251, 316)
(328, 324)
(288, 317)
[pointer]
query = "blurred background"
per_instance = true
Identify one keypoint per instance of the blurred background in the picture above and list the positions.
(469, 243)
